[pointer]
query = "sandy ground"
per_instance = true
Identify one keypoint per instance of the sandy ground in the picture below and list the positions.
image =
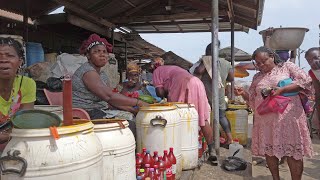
(311, 166)
(255, 171)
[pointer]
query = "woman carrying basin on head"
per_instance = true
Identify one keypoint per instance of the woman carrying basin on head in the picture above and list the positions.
(277, 135)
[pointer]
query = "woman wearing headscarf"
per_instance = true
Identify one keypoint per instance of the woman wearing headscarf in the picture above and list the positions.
(132, 84)
(16, 92)
(90, 85)
(277, 135)
(178, 85)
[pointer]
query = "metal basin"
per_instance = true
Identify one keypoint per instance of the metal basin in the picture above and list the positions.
(288, 38)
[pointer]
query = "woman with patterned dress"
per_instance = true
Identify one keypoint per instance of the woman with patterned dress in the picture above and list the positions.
(277, 135)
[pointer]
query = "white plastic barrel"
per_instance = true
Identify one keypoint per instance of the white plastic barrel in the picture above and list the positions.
(189, 135)
(118, 148)
(55, 109)
(76, 155)
(158, 129)
(238, 117)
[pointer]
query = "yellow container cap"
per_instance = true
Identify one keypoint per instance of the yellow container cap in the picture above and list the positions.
(237, 106)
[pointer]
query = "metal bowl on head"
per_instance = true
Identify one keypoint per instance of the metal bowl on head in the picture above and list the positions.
(288, 38)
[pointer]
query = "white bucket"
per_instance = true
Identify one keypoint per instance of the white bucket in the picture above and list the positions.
(58, 110)
(189, 135)
(118, 148)
(76, 155)
(158, 129)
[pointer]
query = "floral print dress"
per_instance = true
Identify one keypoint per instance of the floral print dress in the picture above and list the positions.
(283, 134)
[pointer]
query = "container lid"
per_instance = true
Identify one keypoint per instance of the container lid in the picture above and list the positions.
(35, 119)
(183, 105)
(158, 107)
(50, 108)
(110, 123)
(237, 106)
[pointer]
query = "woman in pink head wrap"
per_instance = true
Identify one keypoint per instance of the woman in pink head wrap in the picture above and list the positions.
(90, 87)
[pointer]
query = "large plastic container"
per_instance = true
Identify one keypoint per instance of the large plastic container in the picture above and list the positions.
(238, 117)
(158, 129)
(76, 155)
(118, 148)
(35, 53)
(58, 110)
(189, 135)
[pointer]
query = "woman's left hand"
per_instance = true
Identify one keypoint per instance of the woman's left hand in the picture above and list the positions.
(277, 91)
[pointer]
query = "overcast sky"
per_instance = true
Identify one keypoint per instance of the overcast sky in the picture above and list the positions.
(285, 13)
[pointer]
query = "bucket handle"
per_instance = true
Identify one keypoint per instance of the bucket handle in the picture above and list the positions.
(158, 121)
(13, 157)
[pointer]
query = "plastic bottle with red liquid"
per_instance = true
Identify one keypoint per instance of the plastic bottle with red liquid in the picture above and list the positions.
(204, 144)
(152, 174)
(168, 165)
(138, 162)
(156, 171)
(147, 159)
(144, 152)
(173, 161)
(142, 174)
(200, 150)
(155, 156)
(162, 168)
(147, 169)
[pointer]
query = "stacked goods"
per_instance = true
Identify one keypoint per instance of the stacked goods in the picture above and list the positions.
(156, 167)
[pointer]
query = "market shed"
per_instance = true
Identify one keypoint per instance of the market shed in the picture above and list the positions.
(239, 54)
(170, 58)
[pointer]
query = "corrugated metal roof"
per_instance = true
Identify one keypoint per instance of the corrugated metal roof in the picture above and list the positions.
(183, 16)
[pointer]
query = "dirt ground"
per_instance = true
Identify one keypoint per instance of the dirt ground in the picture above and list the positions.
(258, 171)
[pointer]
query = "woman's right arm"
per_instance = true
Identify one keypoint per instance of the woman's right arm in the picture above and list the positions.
(94, 84)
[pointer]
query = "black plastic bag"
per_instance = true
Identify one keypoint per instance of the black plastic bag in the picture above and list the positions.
(234, 163)
(41, 98)
(54, 84)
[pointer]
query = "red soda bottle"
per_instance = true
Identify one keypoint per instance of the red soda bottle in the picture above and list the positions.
(156, 171)
(162, 168)
(138, 162)
(147, 159)
(168, 165)
(200, 150)
(144, 152)
(155, 156)
(173, 161)
(152, 174)
(147, 169)
(142, 174)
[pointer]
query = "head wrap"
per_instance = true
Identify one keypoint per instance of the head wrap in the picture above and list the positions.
(133, 67)
(92, 41)
(15, 44)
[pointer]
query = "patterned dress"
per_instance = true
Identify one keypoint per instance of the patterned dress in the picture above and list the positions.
(284, 134)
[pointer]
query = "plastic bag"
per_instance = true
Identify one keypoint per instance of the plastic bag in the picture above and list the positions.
(273, 104)
(54, 84)
(233, 163)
